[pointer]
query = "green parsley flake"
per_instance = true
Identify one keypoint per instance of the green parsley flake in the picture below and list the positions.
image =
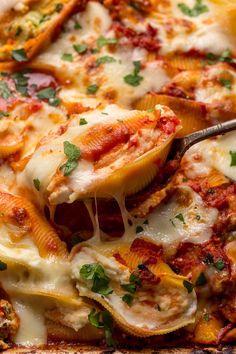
(131, 288)
(77, 25)
(58, 7)
(5, 92)
(49, 94)
(19, 55)
(209, 259)
(201, 280)
(189, 286)
(73, 154)
(139, 229)
(92, 89)
(93, 318)
(225, 56)
(36, 182)
(180, 217)
(4, 114)
(21, 82)
(96, 273)
(80, 48)
(219, 264)
(134, 79)
(206, 317)
(3, 266)
(102, 41)
(83, 121)
(75, 239)
(104, 60)
(128, 299)
(226, 83)
(198, 9)
(103, 320)
(67, 57)
(233, 158)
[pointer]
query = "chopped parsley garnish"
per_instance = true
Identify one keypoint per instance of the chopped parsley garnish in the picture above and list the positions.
(83, 121)
(96, 273)
(36, 182)
(21, 82)
(201, 280)
(131, 288)
(73, 154)
(139, 229)
(75, 239)
(225, 56)
(135, 278)
(158, 307)
(180, 217)
(91, 89)
(44, 18)
(5, 92)
(3, 266)
(102, 41)
(198, 217)
(226, 83)
(209, 259)
(58, 7)
(206, 317)
(77, 25)
(146, 222)
(137, 67)
(103, 319)
(19, 55)
(80, 48)
(18, 31)
(134, 281)
(49, 94)
(219, 264)
(93, 318)
(128, 299)
(198, 9)
(67, 57)
(4, 114)
(104, 60)
(134, 79)
(94, 50)
(189, 286)
(233, 158)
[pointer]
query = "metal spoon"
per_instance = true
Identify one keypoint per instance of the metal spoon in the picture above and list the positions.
(180, 146)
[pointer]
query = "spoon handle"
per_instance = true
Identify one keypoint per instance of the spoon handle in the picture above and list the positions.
(183, 144)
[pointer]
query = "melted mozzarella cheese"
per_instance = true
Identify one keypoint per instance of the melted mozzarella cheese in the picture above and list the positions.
(85, 179)
(6, 5)
(52, 154)
(177, 221)
(140, 314)
(209, 87)
(32, 330)
(109, 77)
(212, 153)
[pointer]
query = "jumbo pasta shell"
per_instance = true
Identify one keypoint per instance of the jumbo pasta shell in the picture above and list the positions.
(22, 215)
(147, 315)
(191, 113)
(119, 155)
